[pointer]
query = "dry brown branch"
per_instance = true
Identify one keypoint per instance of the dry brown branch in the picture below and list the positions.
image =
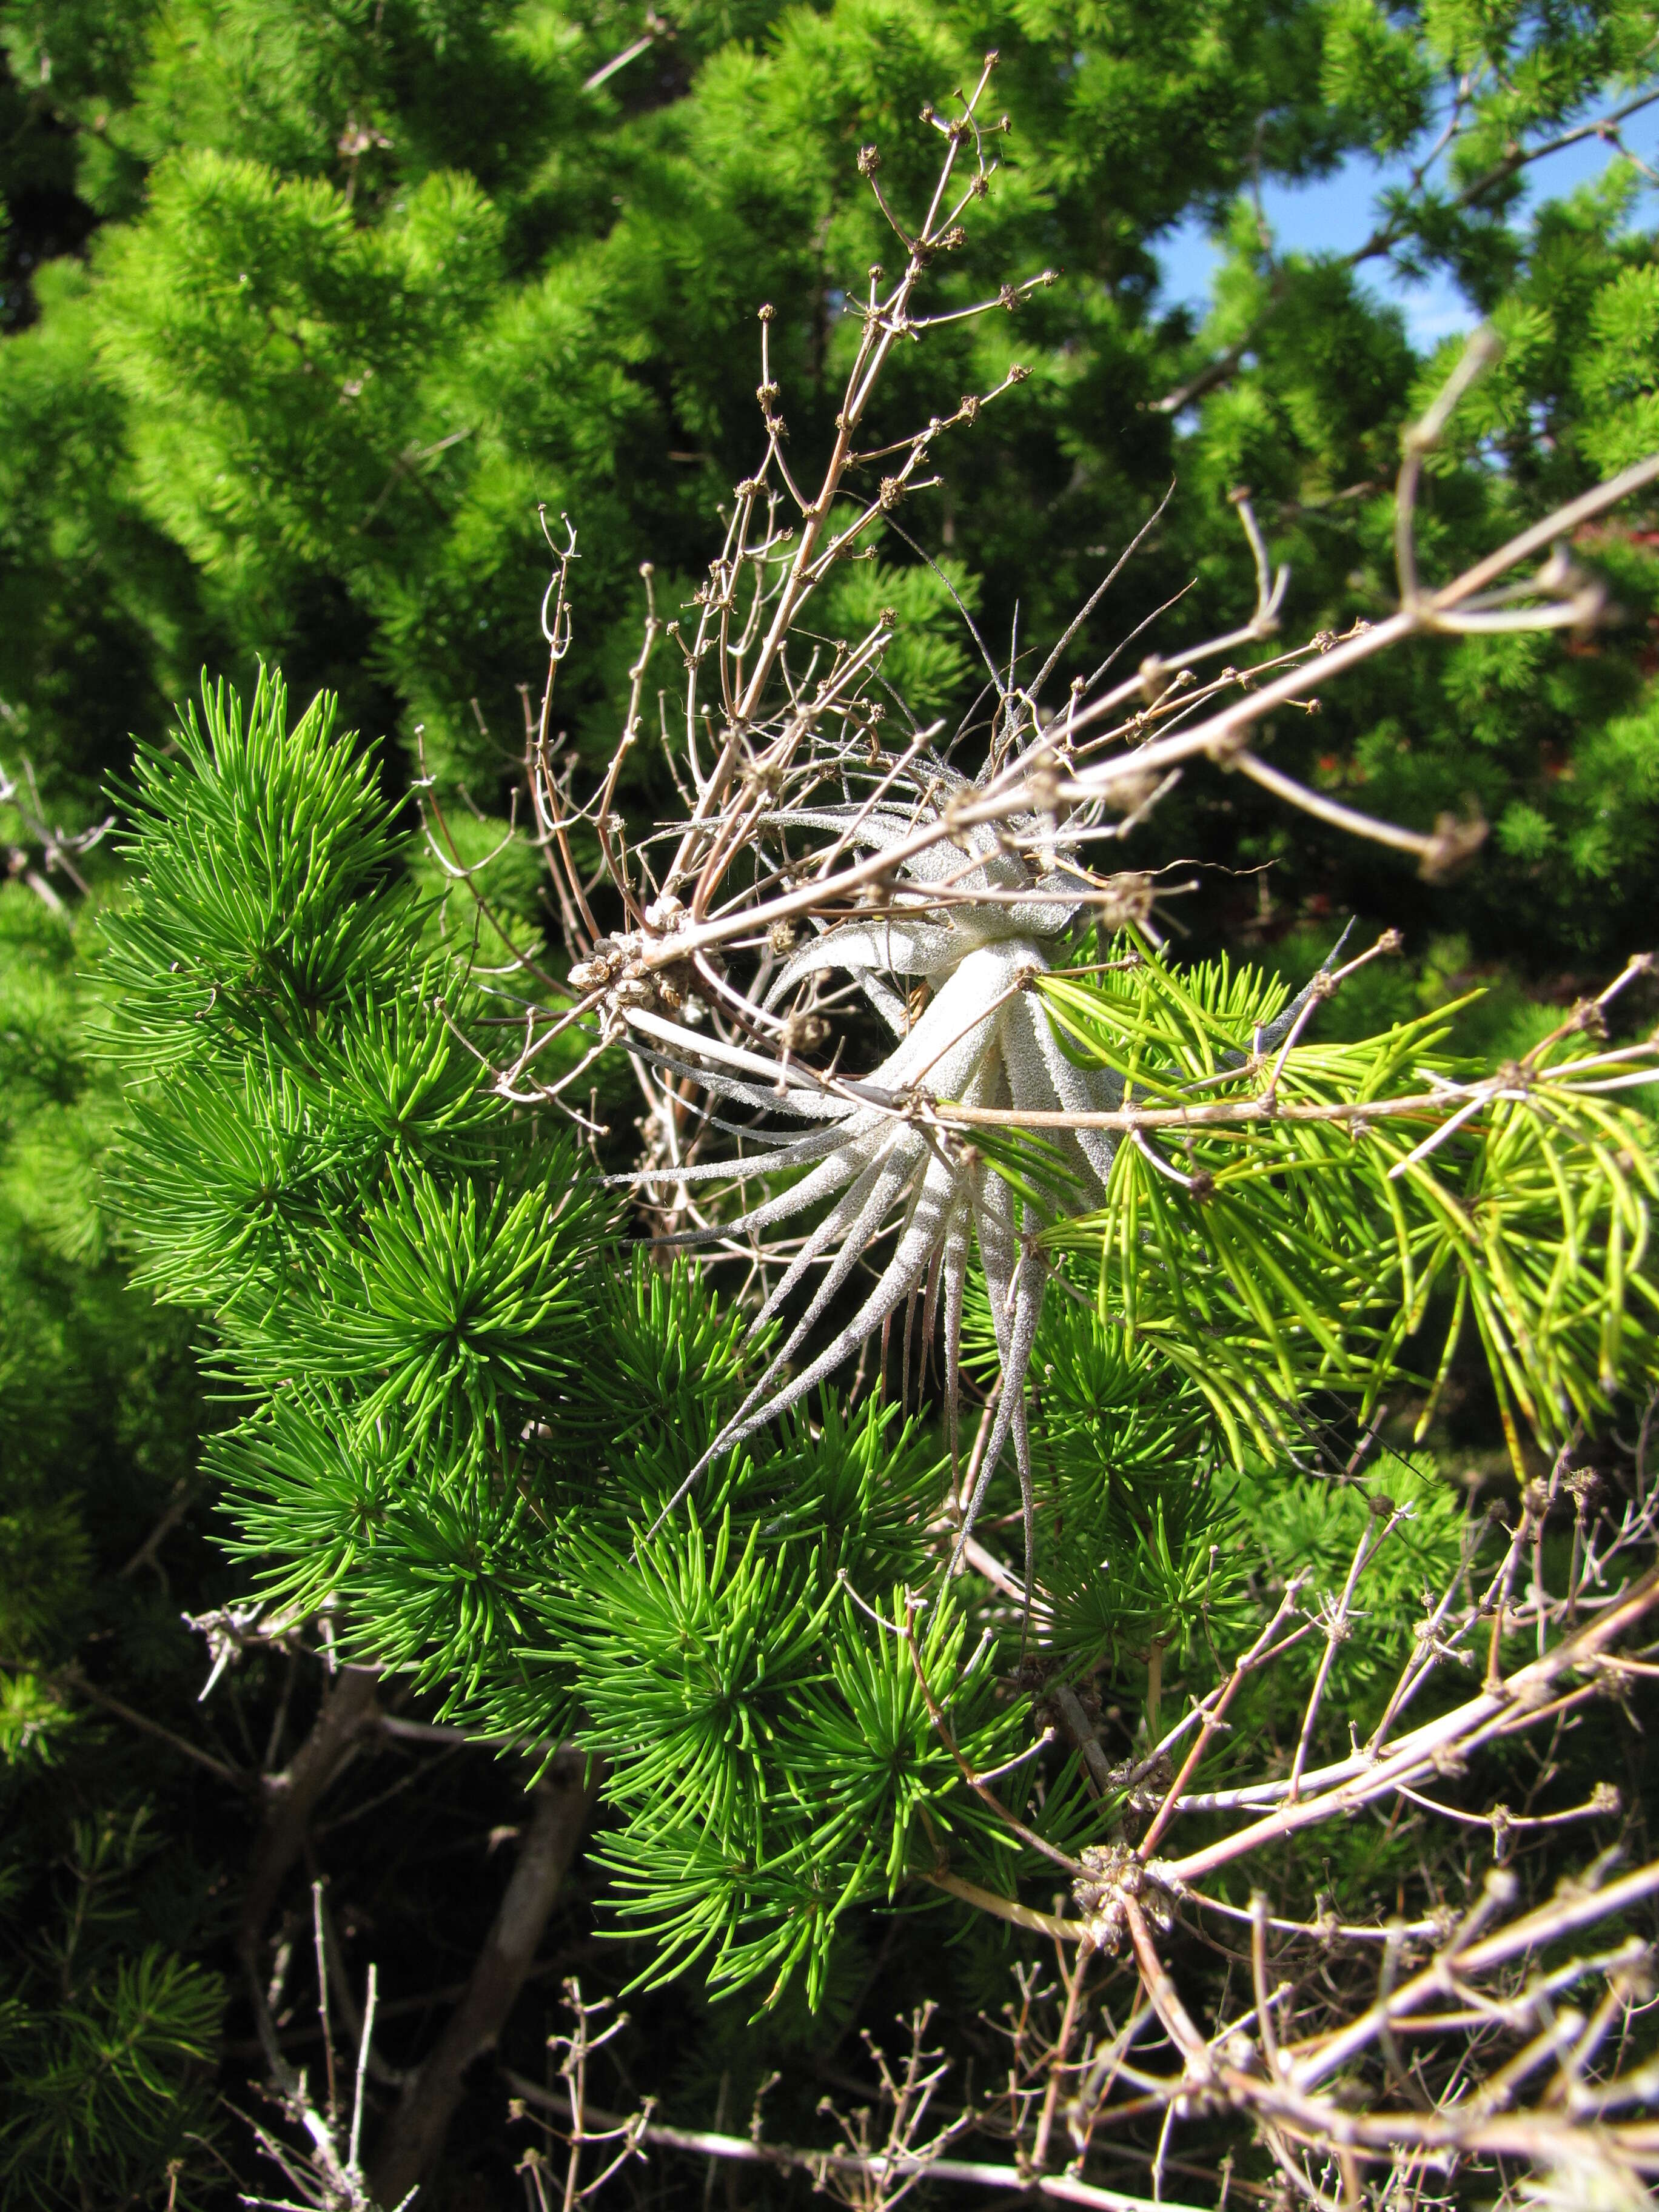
(868, 2174)
(327, 2174)
(561, 1802)
(347, 1710)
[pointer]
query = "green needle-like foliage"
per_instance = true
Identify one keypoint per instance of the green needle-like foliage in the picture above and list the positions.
(858, 1794)
(276, 850)
(1137, 1524)
(466, 1423)
(312, 304)
(1301, 1249)
(464, 1420)
(110, 2081)
(109, 2020)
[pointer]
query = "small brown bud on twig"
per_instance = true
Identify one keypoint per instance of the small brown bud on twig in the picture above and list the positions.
(1042, 782)
(592, 974)
(801, 1031)
(1154, 679)
(767, 313)
(869, 160)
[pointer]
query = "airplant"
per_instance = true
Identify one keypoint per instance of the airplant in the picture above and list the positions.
(984, 1038)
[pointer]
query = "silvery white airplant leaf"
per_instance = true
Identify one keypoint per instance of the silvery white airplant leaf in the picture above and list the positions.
(873, 1159)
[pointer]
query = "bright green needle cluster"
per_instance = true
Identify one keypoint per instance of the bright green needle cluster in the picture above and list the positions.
(1386, 1197)
(464, 1415)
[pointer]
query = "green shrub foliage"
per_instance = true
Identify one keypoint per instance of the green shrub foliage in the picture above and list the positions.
(109, 2014)
(306, 309)
(471, 1416)
(360, 288)
(468, 1411)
